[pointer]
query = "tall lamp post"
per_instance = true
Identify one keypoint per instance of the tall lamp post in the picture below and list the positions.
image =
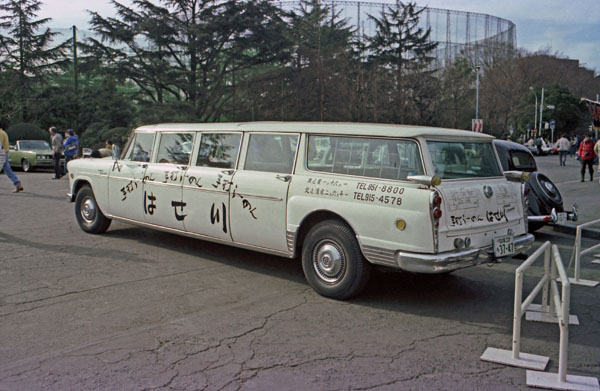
(477, 69)
(534, 111)
(541, 110)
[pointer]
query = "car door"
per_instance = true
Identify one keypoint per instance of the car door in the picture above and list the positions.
(207, 183)
(258, 194)
(125, 187)
(163, 204)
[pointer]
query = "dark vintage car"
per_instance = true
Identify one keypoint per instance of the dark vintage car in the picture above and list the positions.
(544, 199)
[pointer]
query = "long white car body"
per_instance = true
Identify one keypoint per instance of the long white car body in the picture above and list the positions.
(343, 197)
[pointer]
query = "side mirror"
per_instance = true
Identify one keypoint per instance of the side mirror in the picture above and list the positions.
(116, 152)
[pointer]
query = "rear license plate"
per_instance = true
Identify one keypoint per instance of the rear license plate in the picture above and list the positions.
(504, 246)
(561, 217)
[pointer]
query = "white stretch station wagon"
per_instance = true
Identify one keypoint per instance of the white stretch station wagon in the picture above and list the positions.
(343, 197)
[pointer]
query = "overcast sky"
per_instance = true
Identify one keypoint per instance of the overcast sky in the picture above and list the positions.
(570, 28)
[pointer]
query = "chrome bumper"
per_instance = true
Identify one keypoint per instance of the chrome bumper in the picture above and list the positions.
(553, 216)
(453, 260)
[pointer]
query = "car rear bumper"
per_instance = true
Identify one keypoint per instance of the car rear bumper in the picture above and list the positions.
(554, 217)
(453, 260)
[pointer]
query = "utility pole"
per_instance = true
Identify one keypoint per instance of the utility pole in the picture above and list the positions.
(541, 110)
(477, 68)
(75, 55)
(535, 110)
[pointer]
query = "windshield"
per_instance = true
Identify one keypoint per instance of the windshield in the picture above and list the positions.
(453, 160)
(34, 144)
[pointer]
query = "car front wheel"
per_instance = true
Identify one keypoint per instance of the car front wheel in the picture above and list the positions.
(25, 165)
(332, 261)
(88, 214)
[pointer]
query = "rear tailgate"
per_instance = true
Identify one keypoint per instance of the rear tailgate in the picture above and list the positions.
(480, 210)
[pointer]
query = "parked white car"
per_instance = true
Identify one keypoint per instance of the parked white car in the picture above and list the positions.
(340, 196)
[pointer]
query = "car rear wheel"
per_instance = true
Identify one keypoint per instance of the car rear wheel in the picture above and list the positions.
(332, 261)
(88, 214)
(26, 166)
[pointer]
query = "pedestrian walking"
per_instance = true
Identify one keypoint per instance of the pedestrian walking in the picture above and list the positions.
(563, 148)
(5, 161)
(57, 148)
(573, 148)
(71, 145)
(538, 144)
(587, 155)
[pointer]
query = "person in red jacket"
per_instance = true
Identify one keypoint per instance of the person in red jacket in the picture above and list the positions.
(587, 156)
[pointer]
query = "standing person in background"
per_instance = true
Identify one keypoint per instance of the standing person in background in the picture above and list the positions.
(538, 144)
(56, 140)
(597, 152)
(573, 146)
(71, 145)
(563, 145)
(107, 150)
(4, 161)
(587, 155)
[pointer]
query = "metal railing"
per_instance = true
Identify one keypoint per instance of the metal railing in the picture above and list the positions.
(578, 252)
(555, 302)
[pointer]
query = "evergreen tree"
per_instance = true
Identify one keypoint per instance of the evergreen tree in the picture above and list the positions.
(27, 57)
(402, 50)
(317, 76)
(189, 51)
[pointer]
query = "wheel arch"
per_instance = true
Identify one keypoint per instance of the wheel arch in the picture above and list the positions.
(79, 183)
(312, 219)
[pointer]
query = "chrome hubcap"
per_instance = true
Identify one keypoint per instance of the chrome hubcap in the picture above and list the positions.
(329, 261)
(88, 210)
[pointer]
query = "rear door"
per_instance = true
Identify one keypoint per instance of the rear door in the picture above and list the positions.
(207, 183)
(258, 195)
(478, 202)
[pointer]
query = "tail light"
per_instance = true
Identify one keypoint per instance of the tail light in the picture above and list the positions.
(435, 202)
(526, 191)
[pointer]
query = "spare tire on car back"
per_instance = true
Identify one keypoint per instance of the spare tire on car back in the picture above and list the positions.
(546, 191)
(544, 197)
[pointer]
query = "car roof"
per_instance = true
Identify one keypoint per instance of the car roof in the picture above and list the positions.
(383, 130)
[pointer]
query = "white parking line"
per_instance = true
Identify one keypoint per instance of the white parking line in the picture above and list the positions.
(562, 183)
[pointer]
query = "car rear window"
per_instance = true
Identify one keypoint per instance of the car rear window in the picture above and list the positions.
(522, 161)
(454, 159)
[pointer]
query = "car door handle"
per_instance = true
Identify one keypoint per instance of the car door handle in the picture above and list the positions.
(284, 178)
(228, 172)
(144, 165)
(182, 167)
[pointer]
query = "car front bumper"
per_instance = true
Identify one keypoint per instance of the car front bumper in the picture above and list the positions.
(454, 260)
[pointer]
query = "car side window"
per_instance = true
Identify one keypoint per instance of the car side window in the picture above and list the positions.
(271, 153)
(141, 147)
(368, 157)
(175, 148)
(219, 150)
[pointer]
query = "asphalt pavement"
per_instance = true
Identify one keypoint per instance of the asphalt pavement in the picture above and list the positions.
(585, 194)
(139, 309)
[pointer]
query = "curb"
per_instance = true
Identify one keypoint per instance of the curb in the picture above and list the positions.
(572, 230)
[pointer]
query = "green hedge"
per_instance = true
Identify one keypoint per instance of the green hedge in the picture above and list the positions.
(26, 131)
(96, 135)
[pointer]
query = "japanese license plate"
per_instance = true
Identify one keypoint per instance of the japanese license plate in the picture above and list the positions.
(561, 217)
(504, 246)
